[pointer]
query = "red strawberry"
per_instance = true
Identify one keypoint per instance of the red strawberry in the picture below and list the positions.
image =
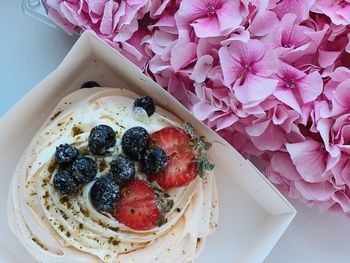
(137, 206)
(182, 167)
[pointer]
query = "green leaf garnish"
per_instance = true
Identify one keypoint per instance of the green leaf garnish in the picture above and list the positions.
(161, 221)
(204, 165)
(190, 130)
(200, 147)
(163, 198)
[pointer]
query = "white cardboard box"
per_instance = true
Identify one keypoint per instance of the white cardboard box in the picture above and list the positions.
(252, 213)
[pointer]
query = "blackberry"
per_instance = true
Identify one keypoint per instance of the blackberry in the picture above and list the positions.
(66, 154)
(134, 141)
(84, 169)
(122, 169)
(64, 183)
(153, 160)
(101, 138)
(89, 84)
(146, 103)
(104, 194)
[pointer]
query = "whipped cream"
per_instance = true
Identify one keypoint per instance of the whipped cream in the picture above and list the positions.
(58, 229)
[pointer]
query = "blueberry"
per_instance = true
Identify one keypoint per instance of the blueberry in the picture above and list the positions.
(153, 160)
(89, 84)
(66, 154)
(84, 169)
(146, 103)
(104, 194)
(122, 169)
(134, 141)
(64, 183)
(101, 138)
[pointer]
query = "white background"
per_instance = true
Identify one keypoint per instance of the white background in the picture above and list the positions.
(30, 50)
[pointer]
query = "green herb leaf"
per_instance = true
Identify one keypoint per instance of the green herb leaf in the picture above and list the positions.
(190, 130)
(205, 145)
(161, 221)
(199, 146)
(201, 169)
(204, 165)
(163, 201)
(210, 166)
(168, 205)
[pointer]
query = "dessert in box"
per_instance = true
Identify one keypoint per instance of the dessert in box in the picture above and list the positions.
(112, 178)
(253, 214)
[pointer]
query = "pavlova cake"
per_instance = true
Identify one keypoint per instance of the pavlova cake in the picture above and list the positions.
(110, 177)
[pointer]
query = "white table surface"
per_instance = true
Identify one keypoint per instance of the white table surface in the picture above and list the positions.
(30, 50)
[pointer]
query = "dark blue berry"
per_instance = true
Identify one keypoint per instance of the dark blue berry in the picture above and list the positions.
(101, 138)
(64, 183)
(66, 154)
(134, 141)
(153, 160)
(104, 194)
(84, 169)
(122, 169)
(146, 103)
(89, 84)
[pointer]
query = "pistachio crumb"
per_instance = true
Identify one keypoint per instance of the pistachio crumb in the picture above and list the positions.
(39, 243)
(56, 115)
(76, 131)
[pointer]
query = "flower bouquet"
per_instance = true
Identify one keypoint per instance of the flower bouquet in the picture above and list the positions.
(271, 77)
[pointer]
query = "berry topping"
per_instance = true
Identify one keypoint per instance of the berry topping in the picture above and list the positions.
(182, 167)
(101, 138)
(137, 207)
(89, 84)
(134, 141)
(66, 154)
(84, 169)
(64, 183)
(122, 169)
(104, 194)
(146, 103)
(153, 160)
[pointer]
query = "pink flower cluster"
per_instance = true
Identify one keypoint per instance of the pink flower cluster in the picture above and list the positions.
(270, 76)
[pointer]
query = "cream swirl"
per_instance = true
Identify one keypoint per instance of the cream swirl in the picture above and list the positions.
(58, 229)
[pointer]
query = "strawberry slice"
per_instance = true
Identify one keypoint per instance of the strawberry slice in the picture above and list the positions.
(137, 206)
(182, 167)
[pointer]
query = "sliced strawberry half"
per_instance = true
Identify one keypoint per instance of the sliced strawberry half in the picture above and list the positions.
(137, 206)
(182, 167)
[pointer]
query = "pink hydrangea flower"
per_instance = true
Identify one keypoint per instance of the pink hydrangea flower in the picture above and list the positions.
(319, 164)
(264, 24)
(339, 101)
(265, 135)
(237, 137)
(297, 88)
(275, 170)
(290, 40)
(271, 77)
(210, 18)
(249, 67)
(341, 133)
(299, 7)
(341, 171)
(108, 18)
(335, 78)
(136, 50)
(216, 105)
(162, 15)
(337, 10)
